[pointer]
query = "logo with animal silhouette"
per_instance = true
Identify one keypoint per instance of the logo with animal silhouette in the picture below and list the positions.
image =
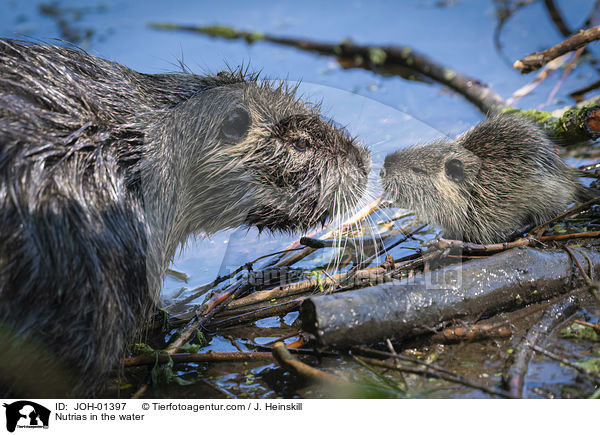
(25, 414)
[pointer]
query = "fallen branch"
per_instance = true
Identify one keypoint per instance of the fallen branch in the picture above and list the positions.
(375, 58)
(409, 307)
(471, 333)
(574, 125)
(145, 360)
(471, 248)
(537, 60)
(368, 276)
(276, 310)
(514, 376)
(290, 363)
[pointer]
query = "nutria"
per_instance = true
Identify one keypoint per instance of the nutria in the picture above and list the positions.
(105, 171)
(495, 180)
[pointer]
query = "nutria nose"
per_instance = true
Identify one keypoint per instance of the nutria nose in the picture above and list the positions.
(389, 161)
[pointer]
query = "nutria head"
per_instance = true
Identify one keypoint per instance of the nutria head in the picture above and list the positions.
(247, 152)
(498, 178)
(434, 180)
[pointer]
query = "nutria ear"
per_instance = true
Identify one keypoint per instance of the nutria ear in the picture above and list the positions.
(236, 124)
(461, 165)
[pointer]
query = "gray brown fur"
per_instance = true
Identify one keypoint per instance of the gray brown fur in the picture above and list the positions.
(105, 171)
(511, 178)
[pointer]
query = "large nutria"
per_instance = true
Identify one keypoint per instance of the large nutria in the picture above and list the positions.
(105, 171)
(499, 178)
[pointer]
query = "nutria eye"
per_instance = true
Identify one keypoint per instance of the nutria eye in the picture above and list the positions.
(301, 144)
(418, 170)
(236, 125)
(454, 170)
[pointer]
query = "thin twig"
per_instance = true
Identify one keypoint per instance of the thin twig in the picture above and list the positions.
(196, 358)
(332, 279)
(589, 325)
(301, 287)
(275, 310)
(357, 217)
(443, 244)
(390, 346)
(352, 272)
(557, 18)
(586, 278)
(380, 376)
(499, 247)
(593, 375)
(453, 377)
(210, 310)
(199, 291)
(564, 75)
(546, 71)
(287, 361)
(537, 231)
(586, 235)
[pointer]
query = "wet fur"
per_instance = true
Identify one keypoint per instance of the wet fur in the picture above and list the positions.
(514, 178)
(105, 171)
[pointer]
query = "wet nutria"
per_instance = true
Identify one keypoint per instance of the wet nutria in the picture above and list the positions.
(499, 178)
(105, 171)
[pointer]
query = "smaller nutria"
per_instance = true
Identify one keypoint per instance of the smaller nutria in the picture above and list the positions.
(105, 172)
(495, 180)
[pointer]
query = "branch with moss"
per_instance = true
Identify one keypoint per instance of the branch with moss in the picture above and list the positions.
(571, 125)
(390, 59)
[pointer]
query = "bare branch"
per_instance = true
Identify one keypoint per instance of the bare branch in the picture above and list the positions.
(536, 60)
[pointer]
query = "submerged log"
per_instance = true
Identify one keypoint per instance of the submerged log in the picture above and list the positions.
(408, 307)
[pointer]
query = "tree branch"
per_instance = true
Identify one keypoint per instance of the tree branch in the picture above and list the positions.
(382, 59)
(536, 60)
